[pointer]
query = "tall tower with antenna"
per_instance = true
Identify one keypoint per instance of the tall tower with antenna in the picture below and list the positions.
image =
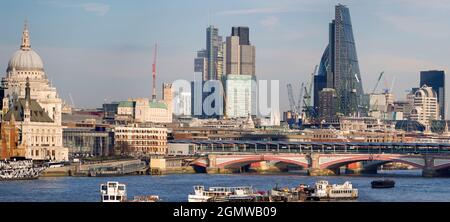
(154, 73)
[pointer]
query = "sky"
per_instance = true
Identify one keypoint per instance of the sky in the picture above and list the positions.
(102, 51)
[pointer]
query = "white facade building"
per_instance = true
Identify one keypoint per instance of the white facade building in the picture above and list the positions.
(33, 104)
(143, 110)
(426, 106)
(240, 96)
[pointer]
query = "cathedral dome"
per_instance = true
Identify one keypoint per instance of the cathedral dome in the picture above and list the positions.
(25, 60)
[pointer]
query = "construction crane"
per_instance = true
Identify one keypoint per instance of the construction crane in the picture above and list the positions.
(154, 73)
(307, 94)
(299, 103)
(291, 98)
(378, 82)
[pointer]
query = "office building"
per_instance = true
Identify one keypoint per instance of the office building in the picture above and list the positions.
(327, 105)
(339, 68)
(213, 53)
(240, 96)
(436, 80)
(426, 107)
(140, 140)
(240, 55)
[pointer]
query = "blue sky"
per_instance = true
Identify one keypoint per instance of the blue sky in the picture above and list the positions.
(102, 50)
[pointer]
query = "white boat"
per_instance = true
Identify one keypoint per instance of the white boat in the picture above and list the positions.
(324, 191)
(117, 192)
(113, 192)
(19, 170)
(222, 194)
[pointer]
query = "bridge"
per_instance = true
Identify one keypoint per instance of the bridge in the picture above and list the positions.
(319, 158)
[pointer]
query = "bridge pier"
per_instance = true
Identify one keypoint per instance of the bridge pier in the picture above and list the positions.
(359, 168)
(322, 172)
(430, 171)
(217, 170)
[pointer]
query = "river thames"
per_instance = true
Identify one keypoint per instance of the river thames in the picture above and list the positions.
(410, 186)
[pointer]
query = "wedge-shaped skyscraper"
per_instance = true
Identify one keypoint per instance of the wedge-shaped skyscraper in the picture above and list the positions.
(339, 68)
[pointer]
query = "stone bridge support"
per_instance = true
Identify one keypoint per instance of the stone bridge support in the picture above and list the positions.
(431, 170)
(314, 167)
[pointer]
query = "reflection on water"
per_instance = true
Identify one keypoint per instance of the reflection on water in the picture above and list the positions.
(410, 186)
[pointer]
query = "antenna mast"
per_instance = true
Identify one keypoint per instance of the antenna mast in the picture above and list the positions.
(154, 73)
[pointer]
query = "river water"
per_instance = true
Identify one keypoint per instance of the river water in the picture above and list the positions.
(410, 186)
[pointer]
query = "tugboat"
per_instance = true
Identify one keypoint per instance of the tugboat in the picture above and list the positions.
(383, 184)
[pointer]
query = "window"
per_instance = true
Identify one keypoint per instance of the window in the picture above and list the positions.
(105, 197)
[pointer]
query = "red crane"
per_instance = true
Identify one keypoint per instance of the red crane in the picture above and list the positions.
(154, 73)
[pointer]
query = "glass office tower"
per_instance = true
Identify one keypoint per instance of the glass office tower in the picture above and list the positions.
(339, 68)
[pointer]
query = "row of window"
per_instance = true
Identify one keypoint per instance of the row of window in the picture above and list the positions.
(47, 153)
(154, 143)
(136, 137)
(141, 131)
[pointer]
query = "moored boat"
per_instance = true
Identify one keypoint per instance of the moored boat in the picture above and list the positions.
(324, 191)
(376, 184)
(117, 192)
(19, 170)
(224, 194)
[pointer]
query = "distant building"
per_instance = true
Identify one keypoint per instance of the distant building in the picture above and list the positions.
(436, 80)
(167, 97)
(142, 110)
(183, 104)
(89, 141)
(214, 54)
(243, 33)
(339, 67)
(198, 98)
(377, 105)
(240, 96)
(201, 63)
(327, 104)
(110, 111)
(136, 140)
(240, 55)
(426, 107)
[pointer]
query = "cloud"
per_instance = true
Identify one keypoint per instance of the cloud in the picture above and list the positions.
(92, 7)
(270, 22)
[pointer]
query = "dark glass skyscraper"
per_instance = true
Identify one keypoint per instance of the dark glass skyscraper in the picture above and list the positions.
(213, 45)
(436, 80)
(243, 33)
(339, 67)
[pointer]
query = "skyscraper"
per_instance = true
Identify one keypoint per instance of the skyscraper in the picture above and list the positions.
(339, 67)
(243, 33)
(240, 55)
(436, 80)
(214, 53)
(201, 64)
(240, 74)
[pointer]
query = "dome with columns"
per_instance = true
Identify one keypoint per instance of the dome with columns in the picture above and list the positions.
(25, 59)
